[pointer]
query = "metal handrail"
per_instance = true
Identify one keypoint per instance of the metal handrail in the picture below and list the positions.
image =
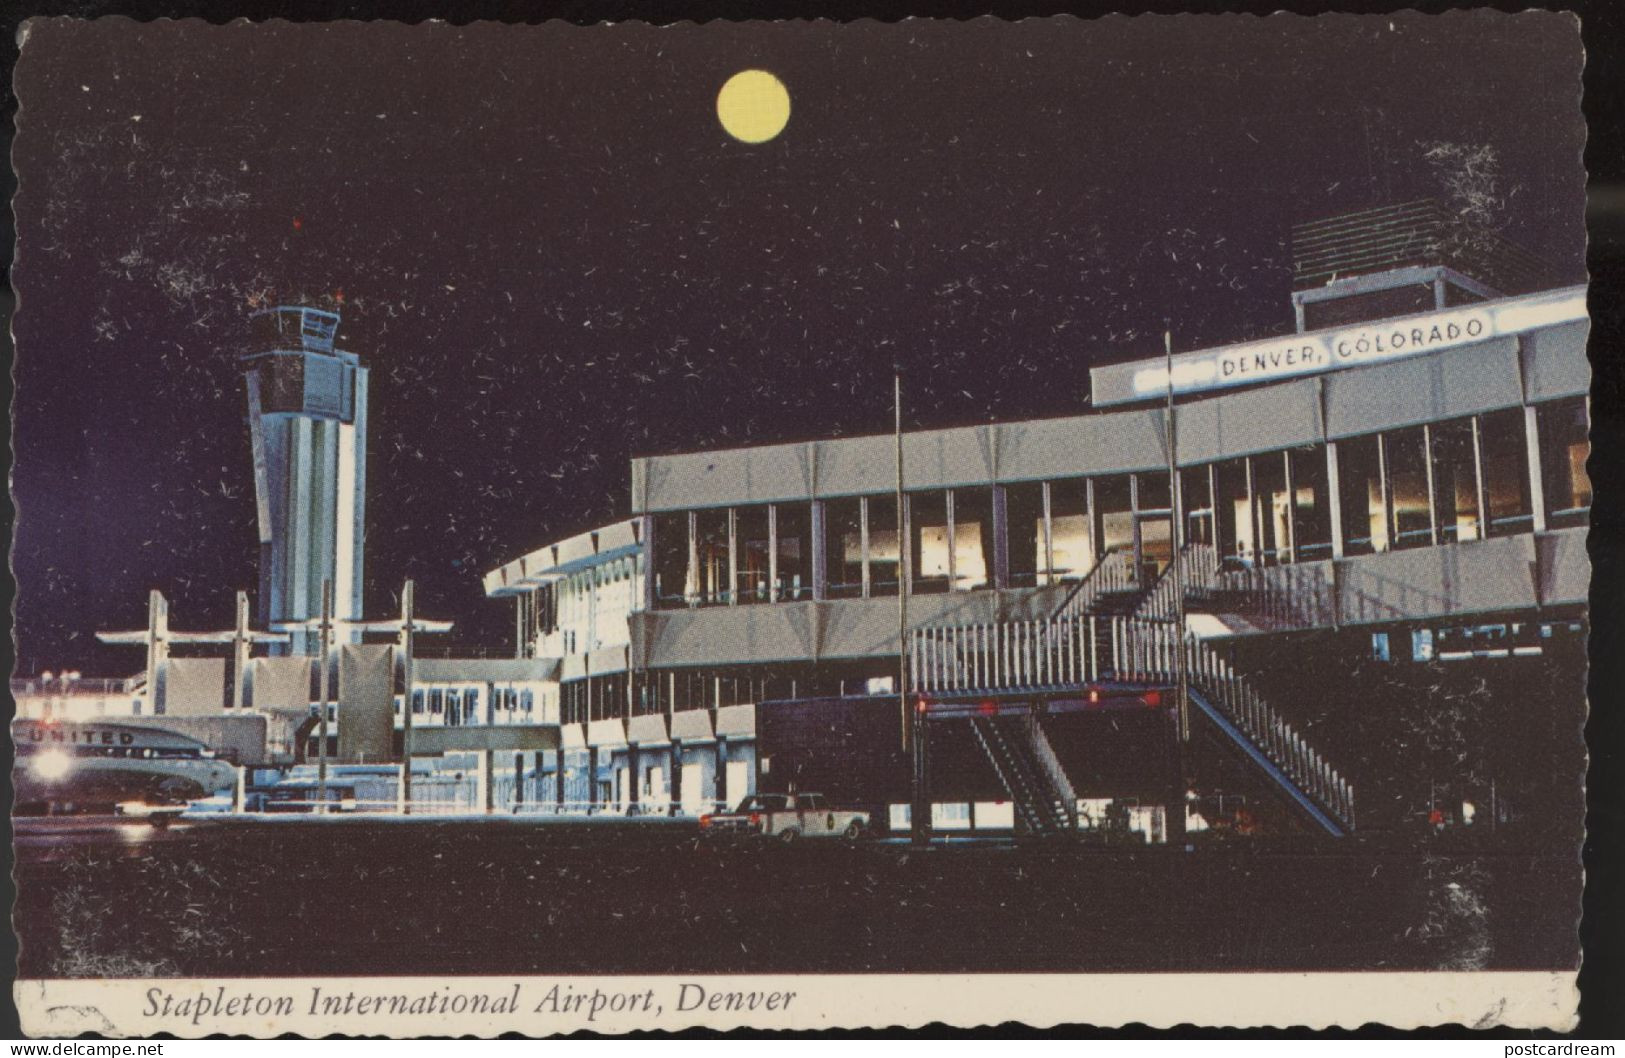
(1052, 652)
(1113, 571)
(1051, 763)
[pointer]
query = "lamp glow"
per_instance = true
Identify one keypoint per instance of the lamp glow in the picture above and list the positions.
(52, 764)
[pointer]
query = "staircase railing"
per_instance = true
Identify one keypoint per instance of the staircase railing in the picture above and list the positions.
(1057, 652)
(1114, 572)
(1060, 785)
(997, 750)
(1005, 655)
(1285, 597)
(1200, 566)
(1279, 598)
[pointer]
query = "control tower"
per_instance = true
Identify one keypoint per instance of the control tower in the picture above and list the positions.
(307, 417)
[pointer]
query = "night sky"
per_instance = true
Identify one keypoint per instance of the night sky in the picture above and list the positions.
(553, 257)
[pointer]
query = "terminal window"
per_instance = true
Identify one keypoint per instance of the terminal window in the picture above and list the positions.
(1311, 509)
(928, 532)
(973, 538)
(1506, 472)
(884, 572)
(1564, 449)
(1024, 517)
(1070, 540)
(792, 540)
(843, 528)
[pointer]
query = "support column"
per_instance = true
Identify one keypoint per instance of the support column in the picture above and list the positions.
(1291, 509)
(1253, 527)
(634, 777)
(1049, 537)
(1217, 527)
(1136, 535)
(1480, 495)
(298, 531)
(1389, 522)
(1095, 534)
(406, 646)
(691, 579)
(592, 779)
(1537, 487)
(242, 644)
(157, 649)
(720, 776)
(772, 552)
(675, 782)
(1334, 500)
(519, 781)
(863, 531)
(1001, 537)
(558, 776)
(647, 525)
(732, 595)
(1433, 492)
(488, 776)
(820, 552)
(905, 550)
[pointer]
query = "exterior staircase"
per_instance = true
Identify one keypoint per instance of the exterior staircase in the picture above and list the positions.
(1109, 587)
(1269, 599)
(1068, 653)
(1030, 772)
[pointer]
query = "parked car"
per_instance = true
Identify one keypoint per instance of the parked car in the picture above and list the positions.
(787, 817)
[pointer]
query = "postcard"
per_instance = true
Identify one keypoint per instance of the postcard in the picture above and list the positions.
(799, 524)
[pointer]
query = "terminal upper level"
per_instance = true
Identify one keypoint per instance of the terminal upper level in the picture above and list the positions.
(1464, 448)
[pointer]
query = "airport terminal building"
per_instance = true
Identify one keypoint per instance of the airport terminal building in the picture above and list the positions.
(1401, 478)
(1329, 581)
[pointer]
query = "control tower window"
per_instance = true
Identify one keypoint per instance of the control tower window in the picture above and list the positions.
(1564, 449)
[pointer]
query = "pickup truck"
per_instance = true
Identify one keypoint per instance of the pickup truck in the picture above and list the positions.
(787, 817)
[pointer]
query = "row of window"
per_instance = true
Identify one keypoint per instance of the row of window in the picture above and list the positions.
(1461, 480)
(617, 695)
(586, 610)
(461, 706)
(1463, 642)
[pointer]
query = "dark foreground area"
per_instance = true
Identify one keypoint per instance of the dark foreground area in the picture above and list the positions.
(297, 897)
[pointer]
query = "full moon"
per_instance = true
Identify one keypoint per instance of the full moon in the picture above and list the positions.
(753, 106)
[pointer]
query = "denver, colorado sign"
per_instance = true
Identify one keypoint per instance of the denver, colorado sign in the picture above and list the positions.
(1317, 351)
